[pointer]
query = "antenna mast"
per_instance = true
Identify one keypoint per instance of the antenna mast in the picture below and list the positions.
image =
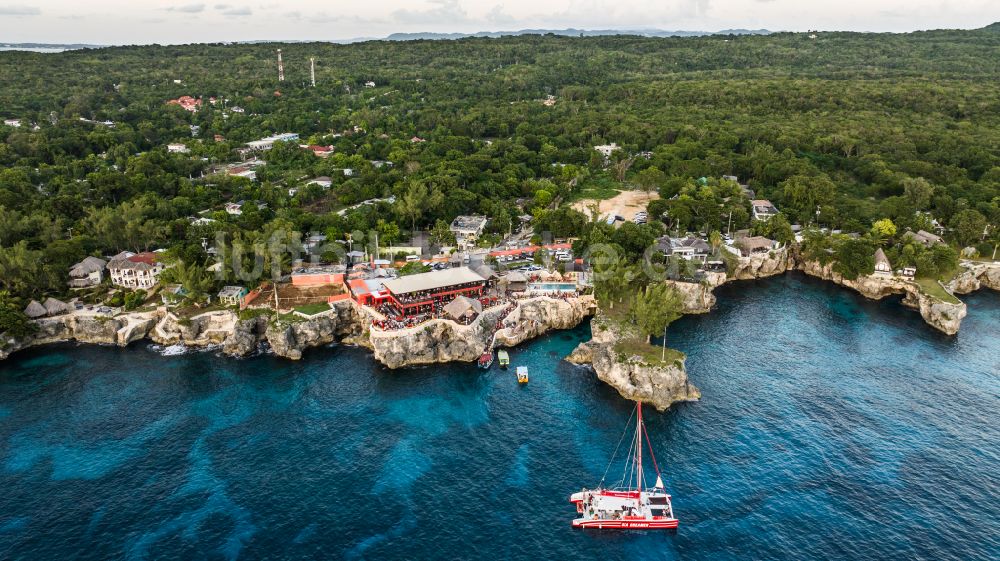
(312, 70)
(281, 68)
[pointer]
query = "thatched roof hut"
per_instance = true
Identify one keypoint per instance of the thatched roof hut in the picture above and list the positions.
(55, 307)
(463, 306)
(87, 266)
(35, 310)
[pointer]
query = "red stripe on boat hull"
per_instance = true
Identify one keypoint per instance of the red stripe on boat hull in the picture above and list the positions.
(626, 524)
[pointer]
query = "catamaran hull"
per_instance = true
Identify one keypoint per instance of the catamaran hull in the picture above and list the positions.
(668, 524)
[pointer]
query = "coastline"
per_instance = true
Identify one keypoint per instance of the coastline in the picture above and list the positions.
(442, 341)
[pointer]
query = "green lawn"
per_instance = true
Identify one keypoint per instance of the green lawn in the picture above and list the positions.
(650, 354)
(313, 309)
(596, 189)
(932, 288)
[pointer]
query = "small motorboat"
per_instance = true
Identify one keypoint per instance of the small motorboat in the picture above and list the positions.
(522, 374)
(486, 360)
(503, 358)
(629, 505)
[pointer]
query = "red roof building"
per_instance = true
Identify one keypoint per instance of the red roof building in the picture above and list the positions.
(186, 102)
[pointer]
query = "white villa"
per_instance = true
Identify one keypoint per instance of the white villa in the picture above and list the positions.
(763, 209)
(130, 270)
(467, 229)
(607, 149)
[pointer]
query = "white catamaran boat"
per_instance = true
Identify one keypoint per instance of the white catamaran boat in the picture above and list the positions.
(630, 505)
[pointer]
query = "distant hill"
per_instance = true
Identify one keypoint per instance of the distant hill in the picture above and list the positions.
(47, 46)
(571, 32)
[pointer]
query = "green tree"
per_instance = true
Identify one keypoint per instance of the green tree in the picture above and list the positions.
(13, 321)
(654, 307)
(883, 230)
(918, 192)
(855, 257)
(970, 225)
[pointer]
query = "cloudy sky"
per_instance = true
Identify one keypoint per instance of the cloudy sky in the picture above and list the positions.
(187, 21)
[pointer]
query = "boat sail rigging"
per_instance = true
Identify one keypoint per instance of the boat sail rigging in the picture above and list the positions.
(627, 505)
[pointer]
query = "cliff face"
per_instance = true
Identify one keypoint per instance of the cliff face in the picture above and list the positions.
(976, 275)
(660, 385)
(696, 297)
(120, 330)
(289, 340)
(435, 341)
(762, 265)
(446, 341)
(534, 317)
(943, 316)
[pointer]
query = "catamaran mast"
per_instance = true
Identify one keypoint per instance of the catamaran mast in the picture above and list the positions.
(638, 446)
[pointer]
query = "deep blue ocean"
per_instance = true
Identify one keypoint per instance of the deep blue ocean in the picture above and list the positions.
(831, 428)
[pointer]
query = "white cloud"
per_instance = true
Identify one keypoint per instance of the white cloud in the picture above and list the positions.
(19, 11)
(188, 9)
(234, 11)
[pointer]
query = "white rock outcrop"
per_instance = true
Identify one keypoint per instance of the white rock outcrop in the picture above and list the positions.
(658, 384)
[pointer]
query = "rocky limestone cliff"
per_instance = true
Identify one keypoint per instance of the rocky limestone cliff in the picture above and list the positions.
(536, 316)
(976, 275)
(660, 385)
(210, 328)
(438, 340)
(290, 339)
(446, 341)
(696, 297)
(762, 265)
(120, 330)
(943, 316)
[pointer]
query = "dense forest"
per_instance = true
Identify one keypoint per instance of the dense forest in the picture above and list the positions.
(840, 130)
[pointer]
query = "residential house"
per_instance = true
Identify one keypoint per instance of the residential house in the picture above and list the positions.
(172, 294)
(86, 273)
(467, 229)
(236, 208)
(186, 103)
(378, 164)
(751, 245)
(319, 151)
(882, 265)
(242, 171)
(369, 84)
(689, 248)
(177, 148)
(313, 241)
(607, 149)
(237, 109)
(267, 143)
(12, 123)
(417, 139)
(232, 295)
(134, 271)
(549, 101)
(908, 272)
(323, 181)
(763, 209)
(923, 237)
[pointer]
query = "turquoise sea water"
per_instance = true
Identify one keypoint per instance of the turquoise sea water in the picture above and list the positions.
(831, 427)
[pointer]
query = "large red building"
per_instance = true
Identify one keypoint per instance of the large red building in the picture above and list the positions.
(414, 294)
